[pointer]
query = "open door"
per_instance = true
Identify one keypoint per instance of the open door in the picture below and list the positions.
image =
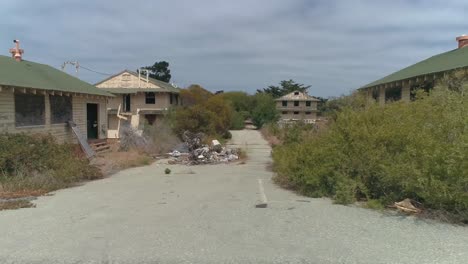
(92, 121)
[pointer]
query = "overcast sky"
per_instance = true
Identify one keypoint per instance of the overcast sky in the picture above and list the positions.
(334, 46)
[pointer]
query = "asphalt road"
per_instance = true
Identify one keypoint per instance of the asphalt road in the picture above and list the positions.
(207, 214)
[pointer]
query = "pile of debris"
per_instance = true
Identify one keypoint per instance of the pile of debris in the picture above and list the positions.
(194, 152)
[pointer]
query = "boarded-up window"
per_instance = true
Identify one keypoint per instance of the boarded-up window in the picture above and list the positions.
(29, 110)
(150, 98)
(60, 109)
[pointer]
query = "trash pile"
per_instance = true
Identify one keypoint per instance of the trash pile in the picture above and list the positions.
(194, 152)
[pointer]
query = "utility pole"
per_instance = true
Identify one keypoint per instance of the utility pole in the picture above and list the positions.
(74, 63)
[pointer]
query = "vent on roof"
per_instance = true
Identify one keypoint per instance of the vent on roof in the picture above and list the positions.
(16, 52)
(462, 41)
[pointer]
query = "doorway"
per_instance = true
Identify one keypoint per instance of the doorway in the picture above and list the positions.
(126, 103)
(92, 120)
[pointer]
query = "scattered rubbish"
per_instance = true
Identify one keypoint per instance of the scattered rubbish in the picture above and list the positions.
(194, 152)
(167, 171)
(407, 206)
(303, 201)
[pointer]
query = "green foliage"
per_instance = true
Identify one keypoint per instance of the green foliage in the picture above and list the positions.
(205, 112)
(160, 71)
(412, 150)
(194, 94)
(37, 162)
(284, 88)
(332, 106)
(237, 121)
(264, 110)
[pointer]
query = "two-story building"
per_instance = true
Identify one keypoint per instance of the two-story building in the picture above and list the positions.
(138, 100)
(297, 106)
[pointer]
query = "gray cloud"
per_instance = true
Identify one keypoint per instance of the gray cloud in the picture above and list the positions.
(335, 46)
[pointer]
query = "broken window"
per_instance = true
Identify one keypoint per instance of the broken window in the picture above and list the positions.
(296, 103)
(308, 113)
(375, 93)
(284, 112)
(308, 103)
(60, 109)
(150, 98)
(284, 103)
(29, 110)
(393, 94)
(296, 113)
(296, 93)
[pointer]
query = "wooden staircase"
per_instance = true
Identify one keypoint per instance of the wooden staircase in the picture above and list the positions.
(100, 146)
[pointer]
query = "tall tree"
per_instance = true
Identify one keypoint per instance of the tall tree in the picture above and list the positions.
(160, 71)
(284, 88)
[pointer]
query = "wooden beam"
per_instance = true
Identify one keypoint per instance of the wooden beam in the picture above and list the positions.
(52, 92)
(24, 90)
(33, 91)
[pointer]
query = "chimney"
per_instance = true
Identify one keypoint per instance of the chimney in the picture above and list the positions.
(16, 52)
(462, 41)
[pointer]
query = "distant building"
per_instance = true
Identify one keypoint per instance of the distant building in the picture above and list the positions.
(297, 106)
(138, 100)
(402, 84)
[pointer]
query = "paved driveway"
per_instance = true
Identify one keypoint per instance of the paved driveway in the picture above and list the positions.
(207, 214)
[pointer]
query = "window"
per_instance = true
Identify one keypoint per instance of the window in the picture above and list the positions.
(308, 113)
(60, 109)
(284, 112)
(296, 93)
(284, 103)
(176, 96)
(29, 110)
(308, 103)
(393, 94)
(296, 113)
(170, 99)
(150, 98)
(375, 93)
(296, 103)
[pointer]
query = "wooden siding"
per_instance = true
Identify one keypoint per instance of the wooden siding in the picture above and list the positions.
(62, 132)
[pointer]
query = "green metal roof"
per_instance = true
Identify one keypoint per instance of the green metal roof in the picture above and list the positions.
(443, 62)
(130, 90)
(165, 87)
(30, 74)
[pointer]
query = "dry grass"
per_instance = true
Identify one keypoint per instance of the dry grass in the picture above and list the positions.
(115, 161)
(15, 204)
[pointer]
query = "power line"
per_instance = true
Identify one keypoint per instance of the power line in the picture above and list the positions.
(88, 69)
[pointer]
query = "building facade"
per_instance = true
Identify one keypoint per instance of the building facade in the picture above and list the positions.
(138, 101)
(37, 98)
(297, 106)
(402, 84)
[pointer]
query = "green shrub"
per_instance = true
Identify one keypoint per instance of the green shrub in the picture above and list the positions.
(167, 171)
(37, 162)
(412, 150)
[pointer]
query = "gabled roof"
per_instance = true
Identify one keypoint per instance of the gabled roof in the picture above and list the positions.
(28, 74)
(443, 62)
(164, 85)
(130, 90)
(300, 96)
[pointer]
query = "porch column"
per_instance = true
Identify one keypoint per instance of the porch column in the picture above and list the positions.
(382, 95)
(405, 92)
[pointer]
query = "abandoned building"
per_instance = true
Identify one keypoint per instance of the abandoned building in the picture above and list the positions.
(402, 84)
(138, 100)
(297, 106)
(37, 98)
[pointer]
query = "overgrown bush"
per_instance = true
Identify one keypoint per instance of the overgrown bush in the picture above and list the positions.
(38, 162)
(415, 150)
